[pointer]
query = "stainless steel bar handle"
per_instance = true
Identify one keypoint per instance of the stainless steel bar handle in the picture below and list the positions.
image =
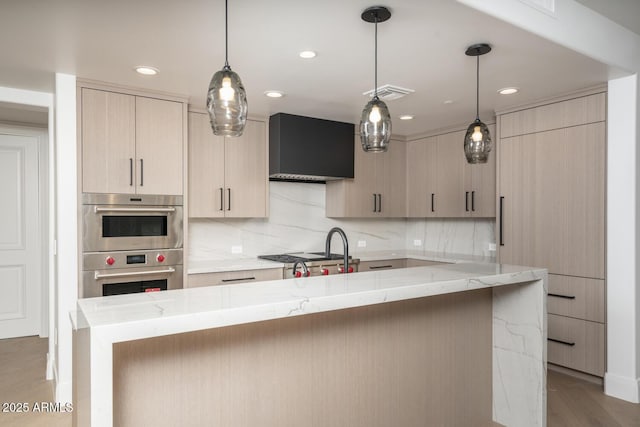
(228, 199)
(375, 203)
(221, 198)
(141, 172)
(133, 273)
(98, 209)
(130, 171)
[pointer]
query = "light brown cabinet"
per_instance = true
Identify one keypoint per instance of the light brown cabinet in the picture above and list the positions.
(388, 264)
(131, 144)
(377, 189)
(227, 176)
(551, 214)
(234, 277)
(440, 183)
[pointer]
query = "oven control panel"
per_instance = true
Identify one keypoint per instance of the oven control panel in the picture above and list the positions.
(124, 259)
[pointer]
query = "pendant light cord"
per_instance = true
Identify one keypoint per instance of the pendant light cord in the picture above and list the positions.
(478, 87)
(375, 73)
(226, 34)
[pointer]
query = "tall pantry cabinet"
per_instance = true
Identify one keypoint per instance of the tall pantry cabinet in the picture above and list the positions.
(551, 214)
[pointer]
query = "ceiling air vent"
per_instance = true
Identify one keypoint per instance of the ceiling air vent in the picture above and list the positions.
(390, 92)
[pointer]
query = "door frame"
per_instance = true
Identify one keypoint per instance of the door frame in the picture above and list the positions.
(39, 132)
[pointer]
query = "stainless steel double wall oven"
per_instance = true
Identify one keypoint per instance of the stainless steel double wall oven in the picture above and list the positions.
(131, 243)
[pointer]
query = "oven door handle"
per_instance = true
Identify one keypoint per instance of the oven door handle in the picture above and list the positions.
(134, 273)
(133, 210)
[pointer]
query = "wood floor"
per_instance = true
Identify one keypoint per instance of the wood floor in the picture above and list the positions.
(571, 402)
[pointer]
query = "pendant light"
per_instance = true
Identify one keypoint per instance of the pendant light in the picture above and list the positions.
(375, 123)
(227, 99)
(477, 140)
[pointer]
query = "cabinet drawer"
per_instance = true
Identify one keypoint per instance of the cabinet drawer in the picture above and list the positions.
(576, 297)
(579, 344)
(231, 277)
(385, 264)
(412, 262)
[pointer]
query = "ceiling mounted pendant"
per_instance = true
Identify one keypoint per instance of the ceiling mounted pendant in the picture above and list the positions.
(227, 99)
(477, 140)
(375, 124)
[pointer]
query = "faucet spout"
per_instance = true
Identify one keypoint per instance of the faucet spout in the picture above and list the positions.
(345, 246)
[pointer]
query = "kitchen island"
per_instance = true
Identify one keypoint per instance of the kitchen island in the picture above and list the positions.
(456, 344)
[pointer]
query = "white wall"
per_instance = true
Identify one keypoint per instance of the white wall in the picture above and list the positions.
(581, 29)
(297, 222)
(66, 229)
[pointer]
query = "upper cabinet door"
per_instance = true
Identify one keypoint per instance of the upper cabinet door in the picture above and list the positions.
(392, 199)
(108, 142)
(246, 172)
(159, 148)
(206, 169)
(452, 199)
(480, 181)
(421, 177)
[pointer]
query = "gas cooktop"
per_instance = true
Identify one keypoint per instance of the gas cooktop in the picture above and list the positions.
(290, 258)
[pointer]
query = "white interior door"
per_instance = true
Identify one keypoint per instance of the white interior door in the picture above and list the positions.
(20, 237)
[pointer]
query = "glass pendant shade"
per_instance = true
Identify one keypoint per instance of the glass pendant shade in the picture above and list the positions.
(375, 126)
(477, 143)
(227, 103)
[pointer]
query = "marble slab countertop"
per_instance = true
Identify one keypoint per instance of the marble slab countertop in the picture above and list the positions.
(143, 315)
(237, 264)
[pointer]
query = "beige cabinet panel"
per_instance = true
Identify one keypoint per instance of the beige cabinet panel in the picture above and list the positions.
(422, 158)
(450, 194)
(384, 264)
(234, 277)
(576, 297)
(227, 176)
(576, 344)
(108, 142)
(245, 168)
(206, 169)
(552, 190)
(377, 189)
(574, 112)
(480, 184)
(159, 148)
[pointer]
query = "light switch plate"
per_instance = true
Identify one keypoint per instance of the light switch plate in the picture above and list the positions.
(362, 243)
(236, 249)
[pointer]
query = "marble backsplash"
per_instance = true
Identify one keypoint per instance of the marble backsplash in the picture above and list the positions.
(297, 222)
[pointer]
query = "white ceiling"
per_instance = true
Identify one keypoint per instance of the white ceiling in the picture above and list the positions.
(421, 47)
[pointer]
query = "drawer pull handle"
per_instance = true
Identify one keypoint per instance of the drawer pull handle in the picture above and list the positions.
(562, 296)
(570, 344)
(238, 279)
(375, 267)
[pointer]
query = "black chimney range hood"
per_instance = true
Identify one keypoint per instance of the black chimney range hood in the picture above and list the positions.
(306, 149)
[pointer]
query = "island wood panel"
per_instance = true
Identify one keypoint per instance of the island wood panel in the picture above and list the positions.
(578, 111)
(405, 363)
(577, 297)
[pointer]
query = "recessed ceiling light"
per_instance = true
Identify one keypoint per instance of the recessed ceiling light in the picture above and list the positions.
(405, 117)
(307, 54)
(146, 70)
(274, 94)
(508, 90)
(448, 101)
